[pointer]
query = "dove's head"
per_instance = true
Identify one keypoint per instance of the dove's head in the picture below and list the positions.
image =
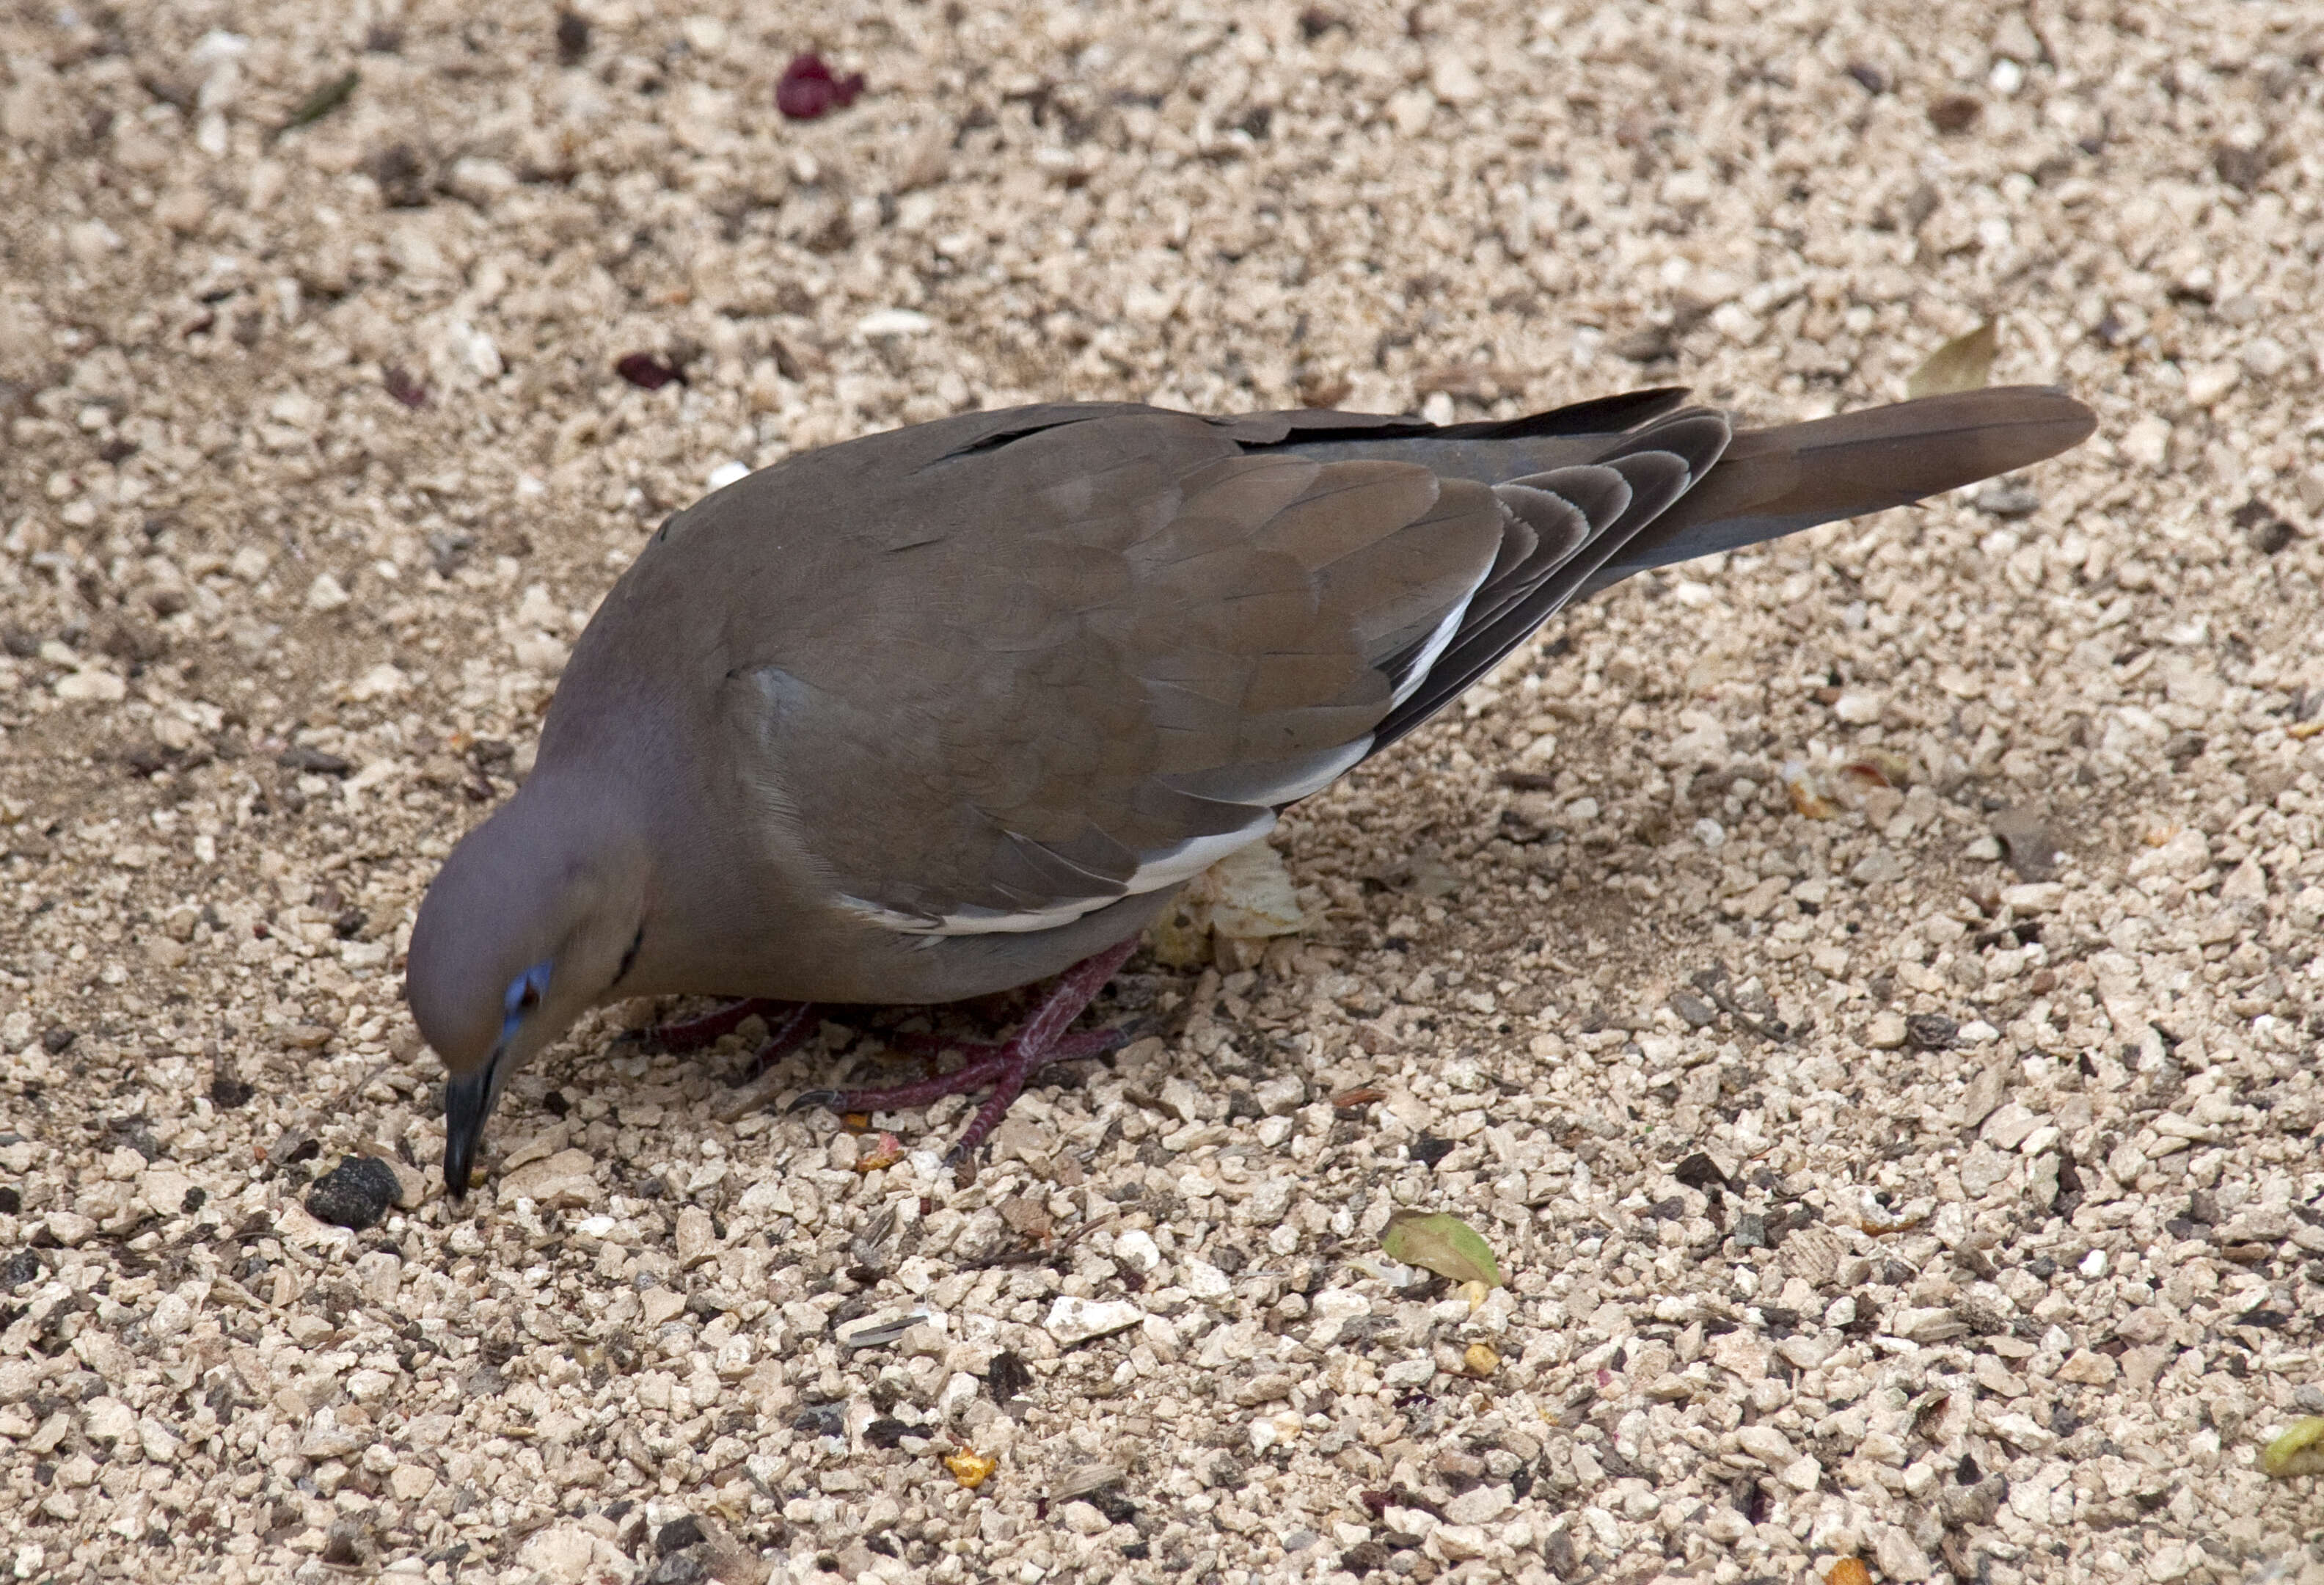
(538, 914)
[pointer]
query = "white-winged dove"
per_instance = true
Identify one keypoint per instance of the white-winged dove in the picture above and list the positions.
(957, 707)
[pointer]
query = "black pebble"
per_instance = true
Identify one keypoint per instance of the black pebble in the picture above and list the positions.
(58, 1042)
(356, 1193)
(1700, 1171)
(1698, 1013)
(1931, 1032)
(572, 38)
(1428, 1149)
(1006, 1377)
(679, 1534)
(821, 1420)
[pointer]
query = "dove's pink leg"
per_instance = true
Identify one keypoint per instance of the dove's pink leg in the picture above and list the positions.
(1002, 1069)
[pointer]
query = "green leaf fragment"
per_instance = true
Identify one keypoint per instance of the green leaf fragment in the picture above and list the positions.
(1965, 363)
(1442, 1244)
(2296, 1450)
(323, 100)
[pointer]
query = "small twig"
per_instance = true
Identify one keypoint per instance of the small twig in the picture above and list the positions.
(1707, 981)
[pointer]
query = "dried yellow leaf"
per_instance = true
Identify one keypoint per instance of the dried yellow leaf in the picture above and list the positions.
(1965, 363)
(1807, 797)
(971, 1467)
(1479, 1360)
(2298, 1449)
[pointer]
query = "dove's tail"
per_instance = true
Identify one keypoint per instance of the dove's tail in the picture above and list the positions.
(1688, 488)
(1773, 482)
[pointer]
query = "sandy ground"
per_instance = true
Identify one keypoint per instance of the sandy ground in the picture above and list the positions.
(1870, 1179)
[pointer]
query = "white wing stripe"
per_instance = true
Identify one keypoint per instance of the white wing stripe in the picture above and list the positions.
(1434, 651)
(1182, 862)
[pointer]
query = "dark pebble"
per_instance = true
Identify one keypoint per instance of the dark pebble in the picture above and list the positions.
(356, 1193)
(2005, 497)
(301, 756)
(821, 1420)
(293, 1144)
(340, 1545)
(1955, 113)
(679, 1534)
(1006, 1377)
(1428, 1149)
(1700, 1171)
(647, 372)
(1698, 1013)
(1931, 1032)
(1750, 1231)
(407, 389)
(572, 38)
(58, 1042)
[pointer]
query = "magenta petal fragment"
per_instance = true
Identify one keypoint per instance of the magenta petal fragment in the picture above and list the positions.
(807, 88)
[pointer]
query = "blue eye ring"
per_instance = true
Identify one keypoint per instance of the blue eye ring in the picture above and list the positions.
(523, 995)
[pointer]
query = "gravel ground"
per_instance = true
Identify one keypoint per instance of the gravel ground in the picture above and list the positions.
(1866, 991)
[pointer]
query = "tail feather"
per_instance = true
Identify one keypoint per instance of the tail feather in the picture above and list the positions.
(1777, 481)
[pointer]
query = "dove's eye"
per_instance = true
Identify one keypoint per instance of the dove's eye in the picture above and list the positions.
(523, 995)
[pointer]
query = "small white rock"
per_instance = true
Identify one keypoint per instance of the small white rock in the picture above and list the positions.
(1083, 1519)
(92, 685)
(1136, 1249)
(384, 680)
(1479, 1505)
(893, 321)
(2147, 442)
(1453, 80)
(1207, 1281)
(1765, 1443)
(2034, 897)
(2207, 383)
(1076, 1320)
(1859, 709)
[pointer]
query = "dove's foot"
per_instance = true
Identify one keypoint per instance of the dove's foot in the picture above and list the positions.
(687, 1034)
(1001, 1070)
